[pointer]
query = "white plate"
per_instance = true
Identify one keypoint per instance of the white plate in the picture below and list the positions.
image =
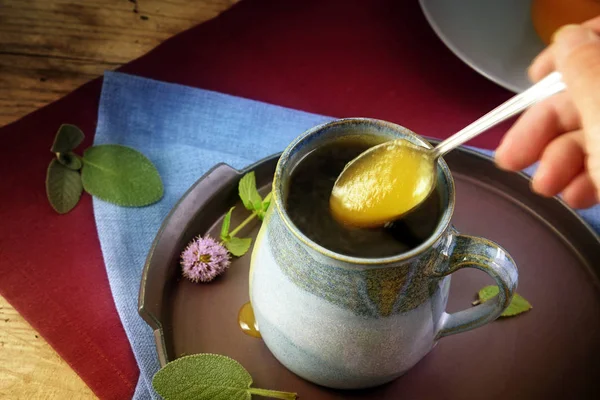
(494, 37)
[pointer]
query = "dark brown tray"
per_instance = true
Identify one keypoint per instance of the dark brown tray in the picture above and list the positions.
(551, 352)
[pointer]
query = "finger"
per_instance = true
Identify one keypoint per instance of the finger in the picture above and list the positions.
(524, 142)
(593, 24)
(543, 64)
(581, 192)
(577, 56)
(561, 162)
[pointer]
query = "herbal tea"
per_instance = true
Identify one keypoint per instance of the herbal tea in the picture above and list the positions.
(307, 204)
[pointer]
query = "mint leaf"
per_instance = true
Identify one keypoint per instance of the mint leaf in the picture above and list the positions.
(267, 201)
(225, 227)
(208, 377)
(67, 138)
(70, 160)
(487, 293)
(264, 206)
(517, 305)
(63, 187)
(257, 204)
(120, 175)
(248, 193)
(238, 246)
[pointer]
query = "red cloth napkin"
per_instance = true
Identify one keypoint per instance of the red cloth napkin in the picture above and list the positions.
(340, 58)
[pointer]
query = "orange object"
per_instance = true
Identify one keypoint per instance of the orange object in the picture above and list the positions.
(549, 15)
(382, 184)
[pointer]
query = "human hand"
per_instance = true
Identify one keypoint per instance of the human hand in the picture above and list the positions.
(563, 132)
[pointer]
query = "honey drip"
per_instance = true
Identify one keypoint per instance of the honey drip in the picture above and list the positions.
(247, 321)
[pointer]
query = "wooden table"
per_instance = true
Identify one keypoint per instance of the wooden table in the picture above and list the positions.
(47, 49)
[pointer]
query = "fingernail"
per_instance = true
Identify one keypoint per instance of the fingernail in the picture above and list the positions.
(571, 36)
(496, 158)
(538, 177)
(499, 153)
(501, 164)
(534, 186)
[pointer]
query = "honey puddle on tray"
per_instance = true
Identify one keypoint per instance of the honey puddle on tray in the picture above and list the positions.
(247, 322)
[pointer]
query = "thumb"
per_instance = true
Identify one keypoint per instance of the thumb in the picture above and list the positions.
(577, 56)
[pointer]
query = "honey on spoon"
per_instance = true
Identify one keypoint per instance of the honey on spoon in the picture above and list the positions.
(382, 183)
(392, 179)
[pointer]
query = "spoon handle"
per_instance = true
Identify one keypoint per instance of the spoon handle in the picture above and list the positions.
(545, 88)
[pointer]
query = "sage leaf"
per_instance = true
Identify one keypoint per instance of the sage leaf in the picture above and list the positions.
(238, 246)
(63, 187)
(70, 160)
(225, 227)
(517, 305)
(208, 377)
(120, 175)
(67, 138)
(248, 192)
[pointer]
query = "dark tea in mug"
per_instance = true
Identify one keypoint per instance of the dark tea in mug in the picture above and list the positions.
(307, 205)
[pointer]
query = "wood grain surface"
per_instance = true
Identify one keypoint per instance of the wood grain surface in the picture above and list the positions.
(29, 367)
(50, 47)
(47, 49)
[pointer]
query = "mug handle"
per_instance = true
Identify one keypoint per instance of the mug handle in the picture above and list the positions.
(487, 256)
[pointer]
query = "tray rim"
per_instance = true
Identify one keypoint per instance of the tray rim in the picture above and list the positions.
(157, 325)
(147, 315)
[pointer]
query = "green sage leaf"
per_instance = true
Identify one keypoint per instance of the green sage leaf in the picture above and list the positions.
(67, 138)
(238, 246)
(120, 175)
(70, 160)
(63, 187)
(225, 227)
(248, 192)
(208, 377)
(517, 305)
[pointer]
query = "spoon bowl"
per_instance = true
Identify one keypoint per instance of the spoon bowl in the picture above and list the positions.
(385, 181)
(390, 180)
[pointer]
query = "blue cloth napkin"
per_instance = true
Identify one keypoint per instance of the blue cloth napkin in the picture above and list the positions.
(184, 131)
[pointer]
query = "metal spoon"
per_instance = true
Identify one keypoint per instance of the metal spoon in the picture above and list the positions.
(361, 195)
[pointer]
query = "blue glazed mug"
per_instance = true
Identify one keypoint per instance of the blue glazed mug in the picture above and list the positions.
(346, 322)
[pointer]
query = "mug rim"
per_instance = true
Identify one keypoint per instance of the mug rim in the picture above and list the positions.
(277, 189)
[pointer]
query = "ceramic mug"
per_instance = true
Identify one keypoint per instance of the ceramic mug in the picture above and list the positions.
(346, 322)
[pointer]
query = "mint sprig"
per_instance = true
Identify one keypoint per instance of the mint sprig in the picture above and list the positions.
(249, 193)
(209, 377)
(250, 196)
(253, 202)
(113, 173)
(517, 305)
